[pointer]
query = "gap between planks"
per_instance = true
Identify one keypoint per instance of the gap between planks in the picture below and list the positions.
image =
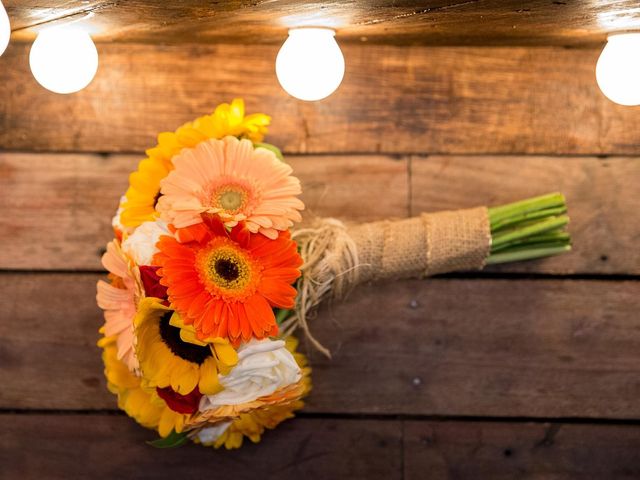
(363, 417)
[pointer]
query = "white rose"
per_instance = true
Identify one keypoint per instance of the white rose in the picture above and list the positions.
(115, 221)
(141, 244)
(264, 366)
(210, 434)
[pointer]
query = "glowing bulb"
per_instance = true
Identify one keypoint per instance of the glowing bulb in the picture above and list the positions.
(618, 69)
(310, 65)
(63, 59)
(5, 29)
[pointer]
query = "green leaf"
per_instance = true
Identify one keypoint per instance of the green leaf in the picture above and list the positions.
(271, 148)
(174, 440)
(281, 315)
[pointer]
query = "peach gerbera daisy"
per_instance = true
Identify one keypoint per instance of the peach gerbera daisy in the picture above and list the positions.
(144, 184)
(232, 179)
(224, 283)
(118, 300)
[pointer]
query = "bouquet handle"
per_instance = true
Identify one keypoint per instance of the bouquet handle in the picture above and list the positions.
(337, 257)
(422, 246)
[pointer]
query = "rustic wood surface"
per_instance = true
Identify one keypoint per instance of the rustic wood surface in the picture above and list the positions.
(106, 446)
(484, 22)
(501, 451)
(446, 378)
(63, 203)
(435, 347)
(109, 447)
(393, 100)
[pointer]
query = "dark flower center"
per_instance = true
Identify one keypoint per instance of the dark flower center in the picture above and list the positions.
(187, 351)
(227, 269)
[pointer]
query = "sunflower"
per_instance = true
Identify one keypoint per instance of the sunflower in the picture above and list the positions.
(252, 424)
(172, 361)
(225, 283)
(118, 299)
(232, 179)
(141, 404)
(143, 192)
(144, 184)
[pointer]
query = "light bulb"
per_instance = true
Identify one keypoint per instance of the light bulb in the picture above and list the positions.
(63, 59)
(5, 29)
(618, 69)
(310, 65)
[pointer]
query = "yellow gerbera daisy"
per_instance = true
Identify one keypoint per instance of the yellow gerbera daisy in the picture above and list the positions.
(144, 184)
(141, 404)
(252, 424)
(171, 356)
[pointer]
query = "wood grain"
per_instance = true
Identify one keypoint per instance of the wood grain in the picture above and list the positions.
(28, 16)
(603, 197)
(108, 447)
(482, 348)
(61, 204)
(411, 128)
(501, 451)
(50, 446)
(486, 22)
(393, 100)
(438, 347)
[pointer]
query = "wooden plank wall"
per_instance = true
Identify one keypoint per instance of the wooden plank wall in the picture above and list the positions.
(410, 22)
(522, 371)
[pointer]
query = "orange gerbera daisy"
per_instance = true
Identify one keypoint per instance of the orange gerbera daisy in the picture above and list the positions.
(234, 180)
(225, 283)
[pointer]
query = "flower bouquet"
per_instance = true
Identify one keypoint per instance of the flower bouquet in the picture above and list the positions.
(207, 281)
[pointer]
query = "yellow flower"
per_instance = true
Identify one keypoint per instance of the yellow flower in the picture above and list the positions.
(252, 424)
(141, 404)
(229, 119)
(144, 184)
(143, 192)
(171, 356)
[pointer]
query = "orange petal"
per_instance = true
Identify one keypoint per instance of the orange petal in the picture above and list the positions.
(278, 293)
(260, 311)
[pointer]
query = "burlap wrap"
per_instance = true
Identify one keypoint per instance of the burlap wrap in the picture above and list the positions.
(422, 246)
(338, 257)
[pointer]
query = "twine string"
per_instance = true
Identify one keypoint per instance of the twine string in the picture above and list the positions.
(337, 257)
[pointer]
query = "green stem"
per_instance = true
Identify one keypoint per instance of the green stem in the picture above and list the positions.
(281, 315)
(559, 238)
(526, 254)
(531, 228)
(526, 217)
(552, 200)
(546, 225)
